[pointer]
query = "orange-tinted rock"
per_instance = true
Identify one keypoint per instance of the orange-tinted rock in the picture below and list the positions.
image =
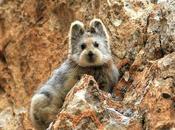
(33, 42)
(86, 106)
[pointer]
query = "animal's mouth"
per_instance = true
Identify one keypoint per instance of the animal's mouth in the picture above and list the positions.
(91, 59)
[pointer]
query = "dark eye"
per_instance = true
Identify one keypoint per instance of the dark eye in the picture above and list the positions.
(83, 46)
(96, 44)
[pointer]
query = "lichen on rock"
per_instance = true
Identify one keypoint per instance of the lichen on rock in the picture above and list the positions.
(88, 107)
(33, 42)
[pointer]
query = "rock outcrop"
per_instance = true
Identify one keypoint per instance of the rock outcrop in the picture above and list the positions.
(147, 104)
(87, 107)
(33, 42)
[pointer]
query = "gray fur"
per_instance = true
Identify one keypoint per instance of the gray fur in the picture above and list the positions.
(49, 98)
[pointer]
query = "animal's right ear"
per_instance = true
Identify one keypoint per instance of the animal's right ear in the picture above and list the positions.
(75, 33)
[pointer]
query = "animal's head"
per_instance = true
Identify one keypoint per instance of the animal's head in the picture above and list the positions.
(89, 47)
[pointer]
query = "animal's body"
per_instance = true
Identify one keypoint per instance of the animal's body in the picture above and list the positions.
(89, 53)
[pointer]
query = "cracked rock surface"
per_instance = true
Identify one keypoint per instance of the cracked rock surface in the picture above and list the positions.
(87, 107)
(147, 104)
(33, 42)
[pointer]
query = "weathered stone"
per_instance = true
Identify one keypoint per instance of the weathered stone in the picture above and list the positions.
(33, 42)
(87, 107)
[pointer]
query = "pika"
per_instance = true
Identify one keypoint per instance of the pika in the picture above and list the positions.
(89, 53)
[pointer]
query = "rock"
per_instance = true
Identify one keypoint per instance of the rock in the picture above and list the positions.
(14, 119)
(87, 107)
(152, 93)
(33, 42)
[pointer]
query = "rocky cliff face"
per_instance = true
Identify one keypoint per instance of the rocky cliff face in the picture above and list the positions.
(33, 42)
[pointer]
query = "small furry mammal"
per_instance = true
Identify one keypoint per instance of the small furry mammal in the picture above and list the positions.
(89, 53)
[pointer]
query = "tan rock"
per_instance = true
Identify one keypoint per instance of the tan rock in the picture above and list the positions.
(33, 42)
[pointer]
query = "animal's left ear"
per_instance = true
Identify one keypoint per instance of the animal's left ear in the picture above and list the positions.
(97, 26)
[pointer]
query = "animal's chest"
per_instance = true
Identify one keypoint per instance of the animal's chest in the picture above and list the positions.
(102, 76)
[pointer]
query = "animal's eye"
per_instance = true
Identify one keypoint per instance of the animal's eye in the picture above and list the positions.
(96, 44)
(83, 46)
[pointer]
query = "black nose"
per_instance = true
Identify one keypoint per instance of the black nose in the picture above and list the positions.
(90, 54)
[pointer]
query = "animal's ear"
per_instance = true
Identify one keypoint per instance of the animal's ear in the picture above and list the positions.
(97, 26)
(75, 33)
